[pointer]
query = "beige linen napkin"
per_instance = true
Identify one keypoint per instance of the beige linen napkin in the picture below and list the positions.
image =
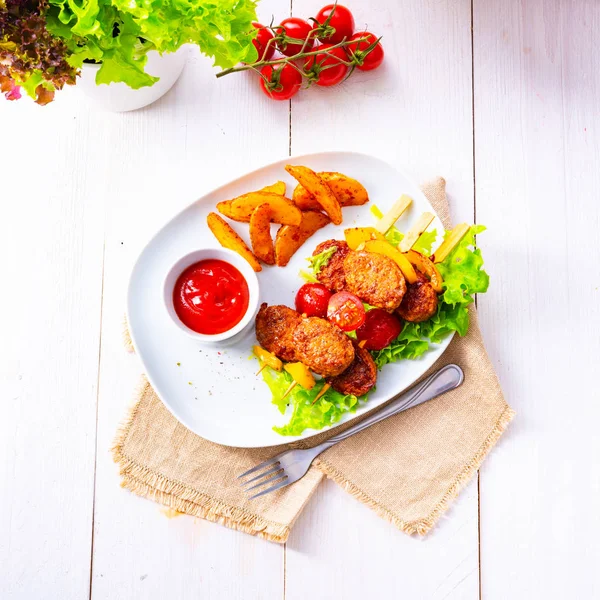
(407, 468)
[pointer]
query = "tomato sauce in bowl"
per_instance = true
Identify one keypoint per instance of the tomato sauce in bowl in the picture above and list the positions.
(211, 296)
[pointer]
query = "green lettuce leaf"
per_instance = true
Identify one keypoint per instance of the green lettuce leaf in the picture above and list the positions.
(425, 241)
(327, 410)
(120, 33)
(463, 272)
(317, 262)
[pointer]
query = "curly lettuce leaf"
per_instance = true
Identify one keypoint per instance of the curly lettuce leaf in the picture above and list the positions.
(31, 58)
(462, 270)
(326, 411)
(318, 261)
(464, 276)
(120, 33)
(425, 242)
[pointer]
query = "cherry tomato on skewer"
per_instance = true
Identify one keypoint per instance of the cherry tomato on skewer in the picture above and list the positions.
(312, 300)
(283, 82)
(379, 330)
(327, 69)
(341, 22)
(365, 62)
(346, 311)
(298, 29)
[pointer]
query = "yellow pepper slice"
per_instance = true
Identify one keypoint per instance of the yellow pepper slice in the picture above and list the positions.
(267, 358)
(355, 236)
(385, 248)
(301, 374)
(427, 268)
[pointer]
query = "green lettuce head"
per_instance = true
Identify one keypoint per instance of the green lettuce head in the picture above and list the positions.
(120, 33)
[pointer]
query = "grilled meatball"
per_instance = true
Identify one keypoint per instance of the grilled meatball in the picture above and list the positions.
(359, 377)
(275, 326)
(332, 274)
(419, 303)
(322, 347)
(375, 279)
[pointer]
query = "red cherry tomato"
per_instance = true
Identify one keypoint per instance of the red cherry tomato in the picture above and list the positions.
(327, 69)
(346, 311)
(284, 81)
(298, 29)
(261, 41)
(365, 62)
(379, 330)
(340, 26)
(312, 300)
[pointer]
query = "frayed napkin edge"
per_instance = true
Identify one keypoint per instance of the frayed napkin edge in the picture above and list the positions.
(147, 483)
(425, 525)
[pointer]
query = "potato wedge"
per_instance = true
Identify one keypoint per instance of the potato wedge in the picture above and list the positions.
(446, 247)
(387, 249)
(390, 217)
(348, 192)
(225, 209)
(413, 234)
(290, 238)
(226, 206)
(355, 236)
(228, 238)
(260, 234)
(283, 210)
(319, 189)
(426, 267)
(275, 188)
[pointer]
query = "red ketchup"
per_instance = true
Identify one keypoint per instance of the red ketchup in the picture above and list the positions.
(211, 296)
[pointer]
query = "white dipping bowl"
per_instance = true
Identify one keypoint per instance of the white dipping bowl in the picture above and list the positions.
(233, 259)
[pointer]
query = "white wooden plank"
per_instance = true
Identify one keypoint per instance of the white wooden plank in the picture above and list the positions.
(203, 133)
(416, 113)
(340, 548)
(51, 244)
(537, 92)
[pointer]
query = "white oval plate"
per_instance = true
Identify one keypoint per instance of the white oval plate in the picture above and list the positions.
(214, 390)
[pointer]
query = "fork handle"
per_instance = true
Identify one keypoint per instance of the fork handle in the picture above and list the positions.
(444, 380)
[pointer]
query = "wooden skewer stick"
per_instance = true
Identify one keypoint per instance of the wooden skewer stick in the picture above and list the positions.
(292, 386)
(322, 392)
(264, 365)
(388, 220)
(362, 343)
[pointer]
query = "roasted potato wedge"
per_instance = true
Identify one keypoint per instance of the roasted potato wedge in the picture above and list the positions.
(355, 236)
(283, 210)
(260, 234)
(228, 238)
(275, 188)
(319, 189)
(290, 238)
(348, 192)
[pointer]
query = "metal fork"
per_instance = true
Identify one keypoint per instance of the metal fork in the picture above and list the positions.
(291, 465)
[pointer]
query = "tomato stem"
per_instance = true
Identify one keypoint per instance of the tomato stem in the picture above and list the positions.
(303, 54)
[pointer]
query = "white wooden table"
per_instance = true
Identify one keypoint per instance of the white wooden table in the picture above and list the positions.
(500, 97)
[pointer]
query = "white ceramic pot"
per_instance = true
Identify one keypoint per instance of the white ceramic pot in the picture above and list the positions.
(119, 97)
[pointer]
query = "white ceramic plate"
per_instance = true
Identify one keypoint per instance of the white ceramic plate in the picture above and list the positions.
(214, 390)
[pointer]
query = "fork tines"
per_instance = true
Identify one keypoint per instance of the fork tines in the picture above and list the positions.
(275, 477)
